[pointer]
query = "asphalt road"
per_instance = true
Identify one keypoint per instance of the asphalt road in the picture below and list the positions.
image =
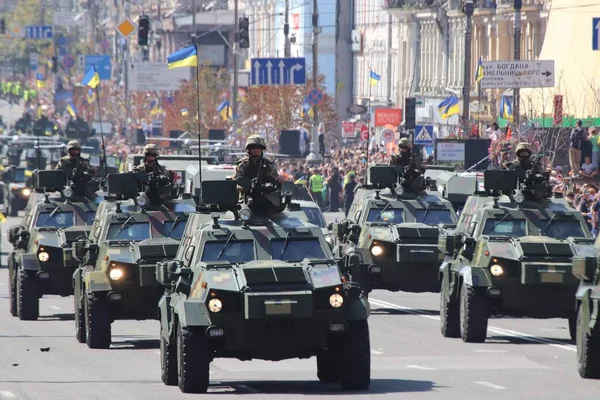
(522, 358)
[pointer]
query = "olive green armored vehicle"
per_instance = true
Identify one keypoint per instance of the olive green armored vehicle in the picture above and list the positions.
(390, 239)
(116, 275)
(586, 267)
(41, 262)
(510, 255)
(245, 285)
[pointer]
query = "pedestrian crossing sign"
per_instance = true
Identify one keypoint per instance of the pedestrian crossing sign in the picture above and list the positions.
(423, 135)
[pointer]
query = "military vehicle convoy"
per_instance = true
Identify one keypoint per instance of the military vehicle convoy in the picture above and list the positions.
(116, 276)
(41, 262)
(389, 240)
(248, 286)
(510, 255)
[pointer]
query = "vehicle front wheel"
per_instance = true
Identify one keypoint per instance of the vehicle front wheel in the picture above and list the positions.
(588, 351)
(12, 292)
(355, 371)
(168, 361)
(12, 211)
(97, 321)
(80, 331)
(193, 360)
(28, 295)
(449, 316)
(328, 361)
(474, 314)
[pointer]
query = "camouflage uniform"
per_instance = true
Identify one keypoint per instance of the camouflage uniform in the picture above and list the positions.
(156, 168)
(249, 166)
(79, 163)
(525, 163)
(402, 159)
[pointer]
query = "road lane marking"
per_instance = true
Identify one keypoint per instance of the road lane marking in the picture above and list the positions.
(53, 307)
(490, 385)
(490, 351)
(493, 329)
(5, 394)
(376, 352)
(419, 367)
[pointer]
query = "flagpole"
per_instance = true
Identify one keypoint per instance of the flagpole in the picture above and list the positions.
(369, 127)
(480, 108)
(198, 123)
(101, 132)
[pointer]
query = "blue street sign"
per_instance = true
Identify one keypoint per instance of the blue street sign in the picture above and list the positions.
(278, 71)
(424, 135)
(38, 32)
(102, 64)
(596, 34)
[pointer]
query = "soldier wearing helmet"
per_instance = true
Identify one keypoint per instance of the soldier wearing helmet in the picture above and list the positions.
(404, 158)
(523, 160)
(74, 161)
(150, 163)
(254, 163)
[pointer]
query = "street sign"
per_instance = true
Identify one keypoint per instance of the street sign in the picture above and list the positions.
(125, 28)
(364, 132)
(38, 32)
(357, 109)
(385, 116)
(424, 135)
(387, 135)
(518, 74)
(278, 71)
(596, 34)
(155, 77)
(314, 97)
(102, 64)
(68, 62)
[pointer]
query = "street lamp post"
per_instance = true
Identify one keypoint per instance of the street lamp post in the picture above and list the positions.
(468, 9)
(518, 4)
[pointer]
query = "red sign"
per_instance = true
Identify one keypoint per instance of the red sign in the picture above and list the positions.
(557, 113)
(348, 127)
(385, 116)
(295, 21)
(364, 132)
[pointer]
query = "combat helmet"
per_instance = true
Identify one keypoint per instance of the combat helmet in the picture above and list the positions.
(151, 149)
(256, 140)
(522, 146)
(404, 142)
(73, 144)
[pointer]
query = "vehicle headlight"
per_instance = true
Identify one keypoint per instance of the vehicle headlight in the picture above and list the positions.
(115, 274)
(142, 200)
(336, 300)
(215, 305)
(43, 256)
(399, 190)
(496, 270)
(68, 192)
(519, 197)
(26, 192)
(245, 214)
(328, 239)
(376, 251)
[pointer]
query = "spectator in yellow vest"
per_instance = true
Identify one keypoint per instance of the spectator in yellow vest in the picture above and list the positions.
(315, 184)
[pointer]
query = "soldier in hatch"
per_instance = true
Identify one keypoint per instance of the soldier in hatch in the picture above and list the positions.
(254, 163)
(523, 160)
(161, 177)
(74, 160)
(402, 159)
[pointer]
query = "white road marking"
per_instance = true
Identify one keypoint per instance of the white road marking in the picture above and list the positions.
(376, 352)
(501, 331)
(490, 385)
(247, 388)
(53, 307)
(419, 367)
(490, 351)
(5, 394)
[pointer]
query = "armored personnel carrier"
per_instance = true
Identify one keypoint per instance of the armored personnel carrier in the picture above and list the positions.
(116, 276)
(41, 261)
(389, 240)
(244, 286)
(510, 255)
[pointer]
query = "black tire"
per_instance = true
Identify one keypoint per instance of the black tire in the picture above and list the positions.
(588, 351)
(168, 361)
(327, 361)
(193, 360)
(97, 321)
(28, 295)
(573, 327)
(449, 316)
(11, 209)
(474, 313)
(355, 373)
(12, 293)
(80, 332)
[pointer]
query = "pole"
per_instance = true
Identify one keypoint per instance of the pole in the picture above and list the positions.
(468, 9)
(234, 95)
(198, 127)
(101, 130)
(517, 95)
(388, 86)
(314, 154)
(286, 31)
(369, 124)
(480, 108)
(126, 66)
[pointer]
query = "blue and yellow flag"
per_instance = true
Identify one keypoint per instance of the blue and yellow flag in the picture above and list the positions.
(506, 109)
(40, 81)
(71, 109)
(479, 71)
(187, 57)
(184, 112)
(305, 107)
(224, 110)
(449, 107)
(91, 78)
(374, 78)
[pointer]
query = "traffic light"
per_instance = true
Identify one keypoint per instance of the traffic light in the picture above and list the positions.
(410, 104)
(143, 30)
(2, 26)
(244, 32)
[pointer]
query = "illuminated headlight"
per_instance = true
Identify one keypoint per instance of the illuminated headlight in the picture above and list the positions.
(142, 200)
(519, 197)
(328, 239)
(26, 192)
(43, 256)
(115, 274)
(215, 305)
(496, 270)
(376, 251)
(399, 191)
(245, 214)
(336, 300)
(68, 192)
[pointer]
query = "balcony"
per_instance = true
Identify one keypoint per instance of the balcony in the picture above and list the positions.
(410, 4)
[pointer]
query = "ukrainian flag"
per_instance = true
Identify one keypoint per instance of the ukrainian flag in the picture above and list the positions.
(187, 57)
(479, 71)
(71, 109)
(374, 78)
(40, 80)
(306, 108)
(506, 109)
(91, 78)
(184, 112)
(224, 110)
(449, 107)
